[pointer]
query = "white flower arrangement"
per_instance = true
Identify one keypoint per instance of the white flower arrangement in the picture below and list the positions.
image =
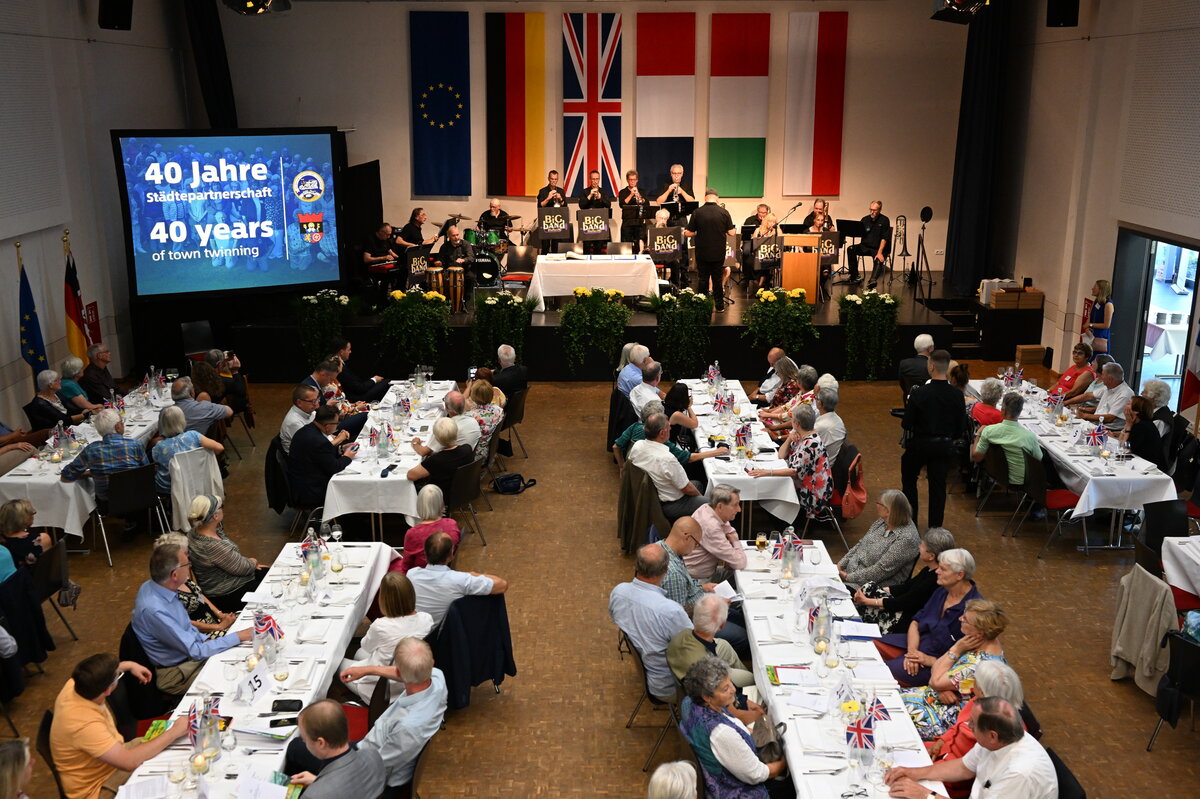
(668, 298)
(854, 298)
(491, 301)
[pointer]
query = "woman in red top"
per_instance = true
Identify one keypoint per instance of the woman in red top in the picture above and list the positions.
(1070, 381)
(430, 505)
(985, 411)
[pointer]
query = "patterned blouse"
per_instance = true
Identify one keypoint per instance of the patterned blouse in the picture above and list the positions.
(785, 393)
(814, 483)
(928, 713)
(489, 417)
(197, 608)
(883, 556)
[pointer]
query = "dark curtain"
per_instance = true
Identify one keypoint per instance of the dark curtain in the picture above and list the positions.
(980, 129)
(212, 64)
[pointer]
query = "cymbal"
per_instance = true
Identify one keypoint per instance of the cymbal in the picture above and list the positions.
(458, 217)
(514, 217)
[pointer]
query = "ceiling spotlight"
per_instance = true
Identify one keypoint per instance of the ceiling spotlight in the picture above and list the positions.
(958, 11)
(252, 8)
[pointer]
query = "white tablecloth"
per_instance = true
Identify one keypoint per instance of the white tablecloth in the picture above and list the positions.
(334, 624)
(559, 276)
(775, 640)
(359, 488)
(1166, 340)
(1181, 563)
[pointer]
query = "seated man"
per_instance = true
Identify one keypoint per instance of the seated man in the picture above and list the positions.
(357, 389)
(719, 550)
(631, 374)
(437, 585)
(200, 415)
(455, 251)
(688, 646)
(1110, 410)
(322, 759)
(313, 458)
(637, 432)
(468, 427)
(1012, 437)
(648, 389)
(685, 589)
(640, 609)
(97, 381)
(678, 495)
(511, 377)
(324, 379)
(112, 453)
(829, 427)
(92, 758)
(305, 402)
(160, 622)
(765, 392)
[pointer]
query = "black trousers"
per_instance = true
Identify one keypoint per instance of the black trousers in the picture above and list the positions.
(635, 234)
(373, 394)
(937, 456)
(852, 254)
(712, 272)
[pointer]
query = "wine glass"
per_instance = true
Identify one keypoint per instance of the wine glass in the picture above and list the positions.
(325, 532)
(280, 670)
(177, 771)
(760, 543)
(813, 555)
(336, 531)
(335, 562)
(229, 672)
(843, 652)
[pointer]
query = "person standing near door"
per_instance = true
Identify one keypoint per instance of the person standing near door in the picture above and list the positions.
(1100, 318)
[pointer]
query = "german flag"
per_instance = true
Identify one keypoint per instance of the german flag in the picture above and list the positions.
(516, 103)
(77, 340)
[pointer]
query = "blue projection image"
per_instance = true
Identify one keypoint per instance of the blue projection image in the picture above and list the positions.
(214, 213)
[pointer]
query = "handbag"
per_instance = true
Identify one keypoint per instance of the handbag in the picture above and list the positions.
(766, 735)
(512, 484)
(68, 595)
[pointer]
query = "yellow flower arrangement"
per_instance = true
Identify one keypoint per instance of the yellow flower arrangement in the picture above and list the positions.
(767, 296)
(851, 707)
(433, 295)
(614, 295)
(580, 291)
(797, 294)
(397, 295)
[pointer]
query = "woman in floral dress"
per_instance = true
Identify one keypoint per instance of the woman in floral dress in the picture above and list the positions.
(481, 407)
(808, 465)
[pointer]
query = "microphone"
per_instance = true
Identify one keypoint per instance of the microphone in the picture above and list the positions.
(797, 205)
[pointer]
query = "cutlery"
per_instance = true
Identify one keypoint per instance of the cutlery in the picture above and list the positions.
(829, 771)
(247, 750)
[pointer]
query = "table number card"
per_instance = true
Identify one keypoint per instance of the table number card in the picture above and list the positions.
(253, 684)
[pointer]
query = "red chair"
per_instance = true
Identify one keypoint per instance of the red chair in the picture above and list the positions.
(362, 719)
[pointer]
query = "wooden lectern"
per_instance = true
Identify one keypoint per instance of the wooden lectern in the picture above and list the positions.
(801, 264)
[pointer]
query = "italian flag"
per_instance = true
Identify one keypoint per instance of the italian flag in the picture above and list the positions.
(737, 103)
(816, 87)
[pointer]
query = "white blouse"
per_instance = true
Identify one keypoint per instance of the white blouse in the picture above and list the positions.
(379, 644)
(731, 751)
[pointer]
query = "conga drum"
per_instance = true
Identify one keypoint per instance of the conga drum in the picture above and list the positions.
(433, 279)
(454, 282)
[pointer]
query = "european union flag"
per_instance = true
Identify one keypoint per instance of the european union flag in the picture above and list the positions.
(440, 65)
(33, 350)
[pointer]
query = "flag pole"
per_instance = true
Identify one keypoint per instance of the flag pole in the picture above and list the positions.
(66, 240)
(20, 265)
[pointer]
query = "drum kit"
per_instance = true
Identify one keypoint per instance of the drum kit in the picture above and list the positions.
(490, 248)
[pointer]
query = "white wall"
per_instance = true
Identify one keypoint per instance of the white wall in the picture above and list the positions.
(119, 79)
(346, 64)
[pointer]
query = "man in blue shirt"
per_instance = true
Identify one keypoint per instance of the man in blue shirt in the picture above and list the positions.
(631, 375)
(112, 453)
(200, 415)
(161, 623)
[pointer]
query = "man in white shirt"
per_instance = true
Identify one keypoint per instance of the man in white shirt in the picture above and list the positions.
(1006, 763)
(766, 389)
(437, 585)
(305, 401)
(719, 549)
(678, 495)
(1110, 410)
(829, 427)
(648, 389)
(468, 426)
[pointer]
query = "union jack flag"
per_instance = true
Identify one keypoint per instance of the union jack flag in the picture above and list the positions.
(713, 373)
(777, 550)
(265, 624)
(861, 734)
(1052, 401)
(813, 612)
(592, 99)
(878, 711)
(194, 718)
(741, 438)
(1096, 436)
(722, 402)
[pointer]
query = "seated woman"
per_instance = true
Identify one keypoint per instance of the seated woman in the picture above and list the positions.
(910, 654)
(206, 617)
(1085, 397)
(960, 378)
(438, 468)
(482, 407)
(46, 410)
(893, 607)
(885, 555)
(761, 270)
(677, 405)
(789, 386)
(1079, 374)
(175, 439)
(431, 506)
(1140, 433)
(220, 568)
(821, 223)
(72, 394)
(399, 619)
(986, 412)
(486, 374)
(935, 707)
(16, 517)
(808, 465)
(721, 739)
(207, 382)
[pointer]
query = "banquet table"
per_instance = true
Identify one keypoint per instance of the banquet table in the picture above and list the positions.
(776, 494)
(1167, 339)
(1181, 564)
(559, 275)
(360, 487)
(813, 741)
(315, 638)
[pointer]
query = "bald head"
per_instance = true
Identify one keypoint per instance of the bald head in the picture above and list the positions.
(455, 403)
(774, 355)
(685, 534)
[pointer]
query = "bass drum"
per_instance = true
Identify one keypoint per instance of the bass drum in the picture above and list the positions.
(487, 270)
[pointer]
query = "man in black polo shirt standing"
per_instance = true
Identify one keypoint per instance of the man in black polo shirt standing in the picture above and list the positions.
(711, 225)
(934, 420)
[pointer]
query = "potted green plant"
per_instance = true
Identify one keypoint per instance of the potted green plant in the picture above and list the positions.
(595, 322)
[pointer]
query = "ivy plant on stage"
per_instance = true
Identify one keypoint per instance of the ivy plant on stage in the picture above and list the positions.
(870, 328)
(500, 318)
(683, 322)
(595, 322)
(415, 324)
(319, 317)
(780, 318)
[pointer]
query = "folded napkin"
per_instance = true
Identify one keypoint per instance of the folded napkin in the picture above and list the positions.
(726, 467)
(302, 676)
(873, 671)
(314, 631)
(778, 629)
(818, 703)
(816, 738)
(898, 733)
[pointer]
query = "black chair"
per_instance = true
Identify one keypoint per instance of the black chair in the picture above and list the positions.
(1034, 489)
(514, 414)
(620, 415)
(464, 490)
(1182, 681)
(673, 718)
(130, 492)
(489, 463)
(43, 747)
(279, 488)
(995, 469)
(145, 701)
(1160, 520)
(1068, 786)
(197, 338)
(414, 787)
(50, 575)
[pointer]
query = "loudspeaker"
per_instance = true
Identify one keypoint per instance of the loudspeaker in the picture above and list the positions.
(1062, 13)
(116, 15)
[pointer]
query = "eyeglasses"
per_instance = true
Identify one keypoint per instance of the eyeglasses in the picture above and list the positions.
(849, 794)
(182, 566)
(117, 679)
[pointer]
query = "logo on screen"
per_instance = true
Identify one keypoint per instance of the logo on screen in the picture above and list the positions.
(312, 228)
(308, 186)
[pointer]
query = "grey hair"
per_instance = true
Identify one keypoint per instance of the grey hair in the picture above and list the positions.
(430, 503)
(214, 357)
(413, 659)
(106, 421)
(95, 350)
(709, 614)
(652, 372)
(654, 425)
(46, 378)
(164, 560)
(182, 389)
(650, 408)
(923, 342)
(455, 403)
(1012, 405)
(623, 361)
(997, 715)
(445, 431)
(1158, 392)
(786, 368)
(506, 355)
(997, 678)
(70, 366)
(807, 377)
(171, 422)
(827, 381)
(638, 353)
(675, 780)
(828, 397)
(171, 537)
(938, 540)
(805, 416)
(722, 495)
(958, 560)
(704, 676)
(991, 391)
(1114, 369)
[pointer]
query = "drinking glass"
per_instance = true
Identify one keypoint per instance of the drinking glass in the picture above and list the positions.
(335, 562)
(229, 671)
(760, 543)
(813, 555)
(177, 771)
(336, 531)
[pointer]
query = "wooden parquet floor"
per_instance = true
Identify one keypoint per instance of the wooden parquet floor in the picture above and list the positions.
(558, 728)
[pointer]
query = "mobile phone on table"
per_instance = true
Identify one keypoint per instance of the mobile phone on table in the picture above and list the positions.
(286, 706)
(289, 721)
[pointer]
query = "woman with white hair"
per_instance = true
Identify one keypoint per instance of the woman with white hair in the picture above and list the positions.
(431, 506)
(175, 439)
(885, 555)
(893, 607)
(219, 565)
(986, 412)
(438, 468)
(46, 409)
(71, 393)
(676, 780)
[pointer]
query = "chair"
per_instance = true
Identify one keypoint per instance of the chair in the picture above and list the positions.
(639, 511)
(826, 515)
(193, 473)
(620, 415)
(514, 414)
(9, 719)
(654, 701)
(995, 468)
(50, 575)
(197, 339)
(489, 463)
(145, 701)
(279, 489)
(414, 787)
(43, 747)
(130, 491)
(1068, 786)
(465, 489)
(1163, 519)
(1182, 681)
(1034, 490)
(362, 719)
(701, 786)
(520, 265)
(474, 646)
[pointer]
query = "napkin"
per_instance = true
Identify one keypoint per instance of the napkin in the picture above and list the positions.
(726, 467)
(873, 671)
(896, 732)
(314, 631)
(778, 629)
(815, 738)
(818, 703)
(302, 676)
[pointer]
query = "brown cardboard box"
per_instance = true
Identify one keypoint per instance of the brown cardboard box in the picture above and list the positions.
(1006, 299)
(1033, 298)
(1030, 353)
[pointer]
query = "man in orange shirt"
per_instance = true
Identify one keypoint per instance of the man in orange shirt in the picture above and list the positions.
(92, 759)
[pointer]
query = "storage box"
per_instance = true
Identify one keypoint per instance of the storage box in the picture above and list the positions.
(1006, 299)
(1030, 354)
(1033, 298)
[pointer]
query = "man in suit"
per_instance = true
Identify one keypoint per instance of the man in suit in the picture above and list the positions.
(510, 378)
(357, 389)
(332, 766)
(353, 418)
(915, 370)
(711, 226)
(313, 458)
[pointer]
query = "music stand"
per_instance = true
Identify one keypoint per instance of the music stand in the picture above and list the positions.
(849, 229)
